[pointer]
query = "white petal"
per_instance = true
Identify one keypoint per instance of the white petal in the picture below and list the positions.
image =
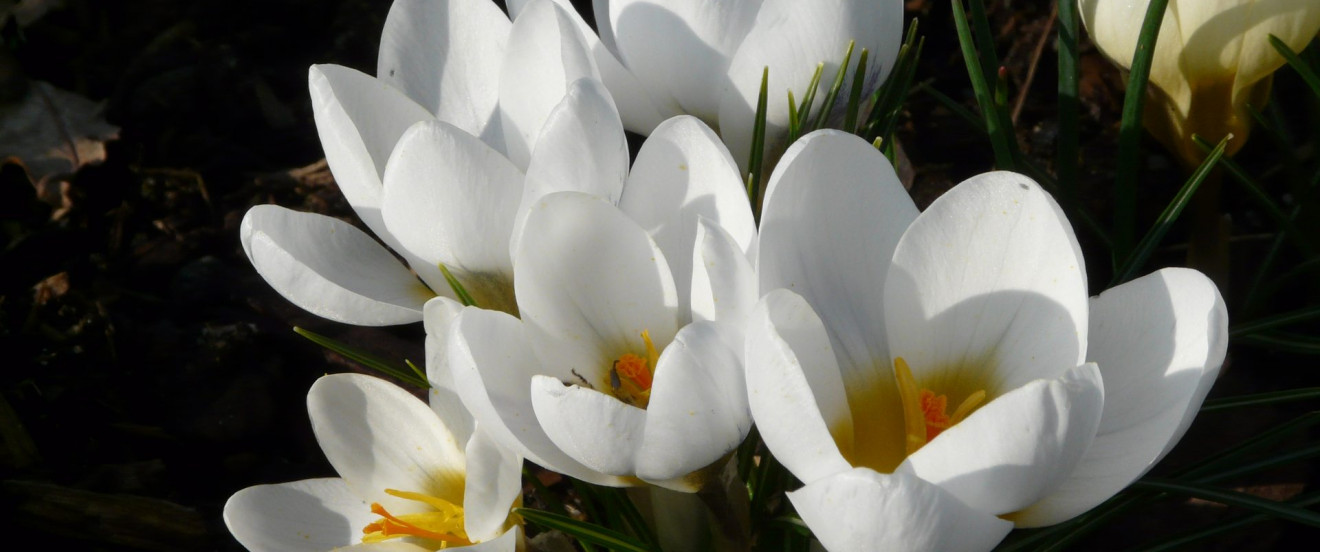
(589, 282)
(794, 388)
(438, 316)
(494, 481)
(449, 198)
(312, 515)
(791, 37)
(724, 283)
(510, 541)
(698, 411)
(378, 436)
(861, 509)
(493, 366)
(683, 173)
(359, 119)
(546, 53)
(682, 47)
(989, 278)
(384, 546)
(1159, 341)
(330, 268)
(595, 429)
(1018, 447)
(833, 213)
(581, 148)
(446, 56)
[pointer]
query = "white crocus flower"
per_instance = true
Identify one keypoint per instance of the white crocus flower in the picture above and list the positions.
(1212, 59)
(411, 479)
(936, 378)
(626, 363)
(662, 58)
(430, 154)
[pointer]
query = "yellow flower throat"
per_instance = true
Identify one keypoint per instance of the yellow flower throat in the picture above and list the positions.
(444, 524)
(631, 375)
(925, 414)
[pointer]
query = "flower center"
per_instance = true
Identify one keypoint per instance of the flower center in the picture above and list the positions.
(444, 524)
(631, 375)
(925, 414)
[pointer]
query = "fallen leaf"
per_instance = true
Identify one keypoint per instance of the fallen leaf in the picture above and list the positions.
(53, 133)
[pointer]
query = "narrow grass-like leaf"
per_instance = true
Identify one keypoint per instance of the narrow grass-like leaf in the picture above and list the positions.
(463, 296)
(952, 105)
(1129, 133)
(1001, 136)
(1257, 193)
(583, 531)
(1275, 321)
(792, 524)
(415, 370)
(1232, 498)
(747, 457)
(364, 358)
(1143, 250)
(985, 40)
(1288, 343)
(833, 94)
(855, 94)
(888, 98)
(1222, 460)
(1262, 399)
(794, 123)
(1180, 542)
(758, 147)
(1305, 70)
(1264, 464)
(617, 499)
(809, 97)
(1067, 147)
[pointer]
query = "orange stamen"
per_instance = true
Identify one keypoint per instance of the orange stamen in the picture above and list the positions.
(391, 526)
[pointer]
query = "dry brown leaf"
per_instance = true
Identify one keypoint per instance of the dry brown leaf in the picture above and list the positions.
(53, 133)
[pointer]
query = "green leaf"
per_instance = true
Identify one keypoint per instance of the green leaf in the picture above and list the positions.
(463, 296)
(617, 500)
(833, 95)
(1264, 464)
(1257, 192)
(855, 95)
(1304, 69)
(1068, 144)
(1181, 541)
(758, 145)
(1129, 133)
(1232, 498)
(366, 359)
(1001, 135)
(1221, 460)
(1262, 399)
(583, 531)
(887, 100)
(1284, 342)
(953, 106)
(1142, 252)
(808, 98)
(1272, 322)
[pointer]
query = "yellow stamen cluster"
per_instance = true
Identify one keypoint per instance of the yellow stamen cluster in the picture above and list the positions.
(631, 375)
(925, 413)
(444, 524)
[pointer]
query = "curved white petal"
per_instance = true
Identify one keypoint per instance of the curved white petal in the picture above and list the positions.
(1018, 447)
(589, 282)
(378, 436)
(684, 173)
(446, 56)
(383, 546)
(449, 198)
(1159, 341)
(595, 429)
(509, 541)
(791, 37)
(359, 119)
(861, 509)
(581, 148)
(437, 316)
(724, 283)
(698, 410)
(493, 367)
(312, 515)
(494, 481)
(546, 53)
(989, 278)
(330, 268)
(834, 211)
(682, 47)
(794, 389)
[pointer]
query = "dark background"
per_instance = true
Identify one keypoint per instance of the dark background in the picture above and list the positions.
(148, 372)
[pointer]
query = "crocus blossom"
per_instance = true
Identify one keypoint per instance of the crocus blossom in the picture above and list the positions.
(430, 154)
(1212, 59)
(662, 58)
(943, 375)
(626, 363)
(411, 479)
